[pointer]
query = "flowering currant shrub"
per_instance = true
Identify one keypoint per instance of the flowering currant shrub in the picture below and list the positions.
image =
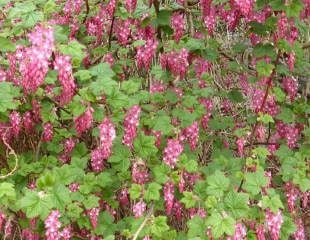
(154, 120)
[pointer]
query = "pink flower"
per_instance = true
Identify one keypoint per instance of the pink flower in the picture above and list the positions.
(16, 122)
(52, 226)
(93, 214)
(131, 123)
(139, 208)
(178, 25)
(274, 222)
(47, 132)
(169, 196)
(172, 151)
(84, 121)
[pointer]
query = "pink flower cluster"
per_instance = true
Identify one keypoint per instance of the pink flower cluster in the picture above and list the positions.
(290, 86)
(84, 122)
(130, 5)
(15, 121)
(244, 6)
(47, 134)
(52, 225)
(34, 60)
(172, 151)
(122, 30)
(169, 196)
(240, 232)
(146, 53)
(93, 214)
(274, 223)
(69, 145)
(299, 234)
(139, 173)
(270, 106)
(131, 123)
(292, 193)
(178, 25)
(210, 20)
(176, 62)
(63, 65)
(139, 208)
(191, 133)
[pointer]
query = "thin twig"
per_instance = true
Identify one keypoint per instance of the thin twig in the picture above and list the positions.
(87, 10)
(11, 152)
(147, 217)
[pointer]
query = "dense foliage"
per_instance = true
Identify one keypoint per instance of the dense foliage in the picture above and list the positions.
(154, 119)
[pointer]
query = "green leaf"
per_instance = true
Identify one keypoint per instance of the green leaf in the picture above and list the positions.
(264, 69)
(189, 199)
(235, 96)
(7, 94)
(221, 123)
(217, 184)
(237, 204)
(32, 18)
(272, 201)
(255, 181)
(91, 202)
(145, 145)
(6, 45)
(265, 118)
(61, 197)
(36, 204)
(152, 192)
(75, 50)
(163, 18)
(163, 124)
(286, 115)
(159, 226)
(221, 225)
(196, 227)
(135, 191)
(7, 193)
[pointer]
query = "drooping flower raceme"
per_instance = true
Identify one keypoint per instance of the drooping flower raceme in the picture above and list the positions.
(138, 209)
(131, 123)
(178, 25)
(63, 65)
(169, 196)
(52, 225)
(172, 151)
(274, 222)
(84, 121)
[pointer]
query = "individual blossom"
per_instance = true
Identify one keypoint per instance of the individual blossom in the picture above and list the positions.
(16, 122)
(84, 121)
(93, 214)
(131, 123)
(169, 196)
(52, 225)
(172, 151)
(274, 222)
(63, 65)
(74, 187)
(29, 234)
(139, 208)
(48, 132)
(178, 25)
